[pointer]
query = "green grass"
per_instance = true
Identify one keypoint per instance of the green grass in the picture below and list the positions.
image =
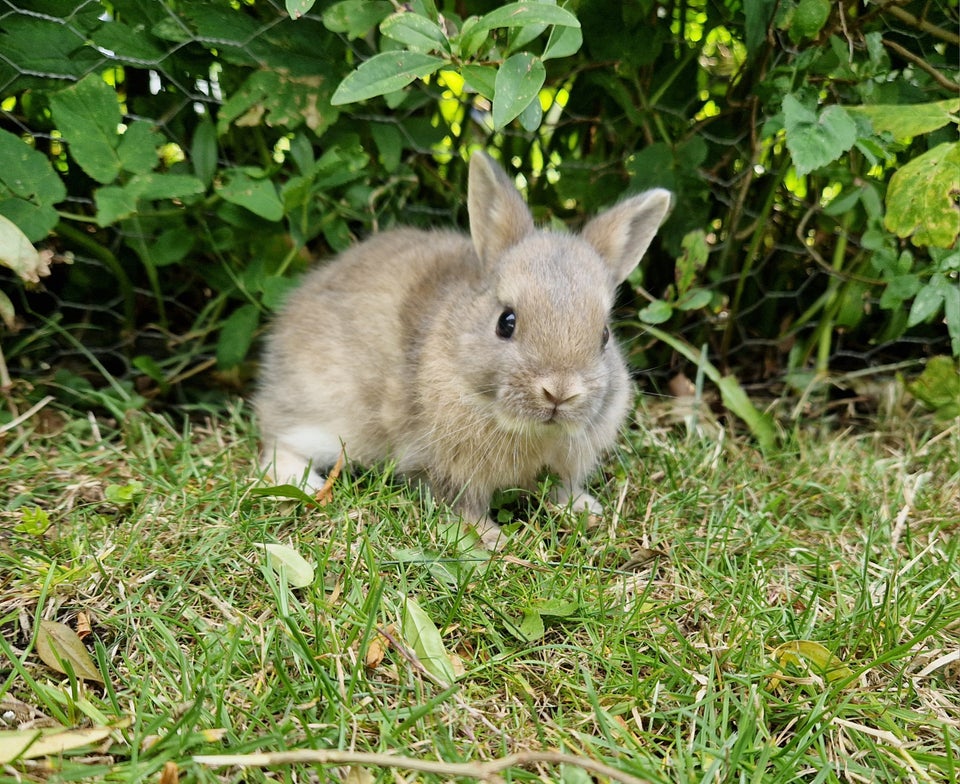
(650, 643)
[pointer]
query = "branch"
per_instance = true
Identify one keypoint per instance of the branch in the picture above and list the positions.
(921, 24)
(918, 61)
(481, 771)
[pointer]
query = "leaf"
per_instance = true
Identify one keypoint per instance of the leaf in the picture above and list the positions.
(204, 151)
(288, 563)
(87, 114)
(384, 73)
(415, 32)
(921, 198)
(518, 83)
(57, 645)
(423, 637)
(17, 253)
(531, 626)
(757, 17)
(137, 150)
(563, 42)
(938, 387)
(356, 18)
(929, 300)
(236, 335)
(908, 120)
(297, 8)
(816, 140)
(657, 312)
(116, 202)
(29, 188)
(8, 314)
(527, 13)
(736, 400)
(285, 491)
(279, 99)
(47, 742)
(814, 656)
(809, 18)
(257, 194)
(122, 495)
(482, 79)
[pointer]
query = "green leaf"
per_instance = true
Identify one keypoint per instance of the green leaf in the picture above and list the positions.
(528, 13)
(236, 335)
(137, 150)
(657, 312)
(482, 79)
(87, 114)
(356, 18)
(563, 42)
(122, 495)
(921, 198)
(929, 300)
(518, 83)
(415, 32)
(297, 8)
(809, 19)
(285, 491)
(279, 99)
(816, 140)
(694, 257)
(531, 626)
(757, 17)
(384, 73)
(938, 387)
(29, 188)
(257, 194)
(116, 202)
(59, 647)
(288, 563)
(204, 151)
(909, 120)
(423, 637)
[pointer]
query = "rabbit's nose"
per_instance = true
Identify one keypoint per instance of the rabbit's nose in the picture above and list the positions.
(556, 394)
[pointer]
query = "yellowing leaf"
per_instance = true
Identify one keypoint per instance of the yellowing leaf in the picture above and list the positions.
(297, 571)
(18, 253)
(47, 742)
(813, 656)
(58, 645)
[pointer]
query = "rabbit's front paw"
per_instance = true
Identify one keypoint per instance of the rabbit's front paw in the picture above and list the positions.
(575, 500)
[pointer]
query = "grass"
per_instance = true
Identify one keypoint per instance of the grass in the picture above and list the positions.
(673, 642)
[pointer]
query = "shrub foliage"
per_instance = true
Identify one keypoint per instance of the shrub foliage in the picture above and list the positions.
(191, 157)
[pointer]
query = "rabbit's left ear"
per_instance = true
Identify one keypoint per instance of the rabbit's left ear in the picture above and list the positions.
(498, 217)
(622, 234)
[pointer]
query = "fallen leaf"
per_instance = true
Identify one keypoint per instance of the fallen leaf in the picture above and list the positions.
(325, 494)
(423, 637)
(58, 645)
(170, 773)
(810, 655)
(297, 571)
(47, 742)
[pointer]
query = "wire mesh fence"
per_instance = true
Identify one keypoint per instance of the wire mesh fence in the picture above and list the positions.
(150, 295)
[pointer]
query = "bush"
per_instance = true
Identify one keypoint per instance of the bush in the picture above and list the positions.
(191, 157)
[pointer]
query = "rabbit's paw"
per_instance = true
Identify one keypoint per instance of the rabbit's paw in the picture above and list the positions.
(491, 535)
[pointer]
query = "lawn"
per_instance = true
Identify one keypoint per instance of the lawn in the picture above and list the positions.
(793, 616)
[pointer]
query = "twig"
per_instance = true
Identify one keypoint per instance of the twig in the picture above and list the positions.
(13, 423)
(921, 24)
(481, 771)
(922, 64)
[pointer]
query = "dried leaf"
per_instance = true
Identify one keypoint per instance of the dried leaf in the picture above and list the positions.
(58, 644)
(170, 773)
(358, 775)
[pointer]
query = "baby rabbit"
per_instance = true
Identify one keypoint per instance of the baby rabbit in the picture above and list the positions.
(474, 362)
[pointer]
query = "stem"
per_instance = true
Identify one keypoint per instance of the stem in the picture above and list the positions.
(99, 252)
(753, 250)
(825, 340)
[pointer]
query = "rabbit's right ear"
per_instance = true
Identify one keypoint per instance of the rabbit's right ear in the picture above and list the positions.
(498, 217)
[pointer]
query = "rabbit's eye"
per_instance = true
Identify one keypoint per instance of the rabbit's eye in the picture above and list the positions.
(506, 324)
(605, 338)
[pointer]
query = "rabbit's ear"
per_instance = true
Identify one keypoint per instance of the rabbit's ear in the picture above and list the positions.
(498, 217)
(622, 234)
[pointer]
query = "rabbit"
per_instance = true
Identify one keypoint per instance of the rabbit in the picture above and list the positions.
(474, 362)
